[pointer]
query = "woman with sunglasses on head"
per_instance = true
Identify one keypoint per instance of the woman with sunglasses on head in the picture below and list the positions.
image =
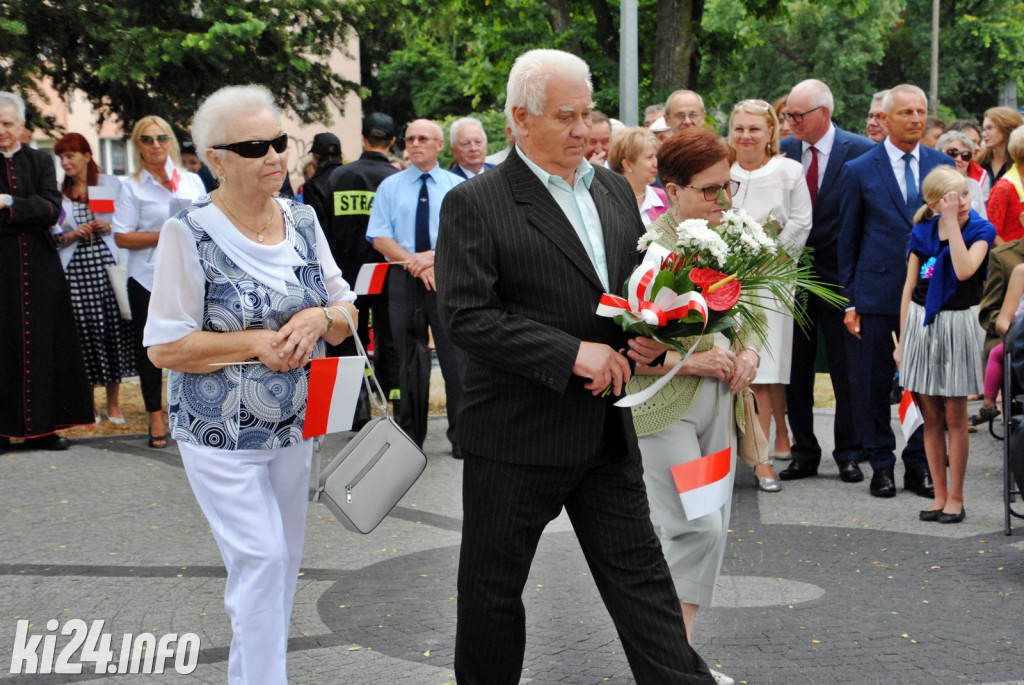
(770, 186)
(962, 149)
(693, 416)
(246, 293)
(1006, 201)
(87, 248)
(159, 188)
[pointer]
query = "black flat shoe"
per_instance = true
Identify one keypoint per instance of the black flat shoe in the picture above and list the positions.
(798, 469)
(952, 518)
(930, 514)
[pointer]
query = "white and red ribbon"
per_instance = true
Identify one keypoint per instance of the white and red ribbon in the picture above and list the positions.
(638, 306)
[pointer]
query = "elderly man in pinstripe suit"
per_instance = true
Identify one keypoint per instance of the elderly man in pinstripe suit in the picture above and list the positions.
(523, 255)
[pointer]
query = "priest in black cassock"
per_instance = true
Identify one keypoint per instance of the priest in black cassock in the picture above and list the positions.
(43, 386)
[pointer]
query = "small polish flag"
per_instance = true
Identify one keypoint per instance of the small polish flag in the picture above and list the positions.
(101, 199)
(333, 392)
(370, 280)
(910, 415)
(704, 484)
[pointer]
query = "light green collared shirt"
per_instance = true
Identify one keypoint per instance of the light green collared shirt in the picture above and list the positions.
(578, 206)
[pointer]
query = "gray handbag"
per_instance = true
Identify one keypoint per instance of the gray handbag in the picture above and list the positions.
(368, 477)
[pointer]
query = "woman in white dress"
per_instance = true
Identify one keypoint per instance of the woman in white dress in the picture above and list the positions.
(770, 185)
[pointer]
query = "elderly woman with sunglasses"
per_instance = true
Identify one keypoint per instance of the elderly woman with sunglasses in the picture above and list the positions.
(246, 293)
(962, 149)
(159, 188)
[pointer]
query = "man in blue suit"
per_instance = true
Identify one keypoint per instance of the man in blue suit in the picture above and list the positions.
(469, 147)
(881, 192)
(824, 149)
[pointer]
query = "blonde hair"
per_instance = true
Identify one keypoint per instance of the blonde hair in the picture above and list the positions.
(175, 153)
(1015, 146)
(940, 181)
(628, 144)
(762, 109)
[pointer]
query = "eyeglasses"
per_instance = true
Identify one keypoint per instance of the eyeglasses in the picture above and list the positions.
(255, 149)
(711, 192)
(409, 140)
(681, 116)
(962, 154)
(798, 117)
(874, 115)
(149, 140)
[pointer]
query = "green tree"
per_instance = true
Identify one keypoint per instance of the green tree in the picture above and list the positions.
(135, 58)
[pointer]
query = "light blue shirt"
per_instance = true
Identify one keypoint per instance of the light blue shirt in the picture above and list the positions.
(578, 206)
(394, 206)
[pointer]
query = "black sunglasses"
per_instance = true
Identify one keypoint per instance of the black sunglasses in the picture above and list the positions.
(254, 149)
(149, 140)
(963, 154)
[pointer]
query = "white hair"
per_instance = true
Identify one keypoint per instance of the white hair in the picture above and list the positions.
(528, 79)
(889, 101)
(213, 118)
(465, 121)
(8, 99)
(819, 94)
(957, 136)
(879, 95)
(683, 91)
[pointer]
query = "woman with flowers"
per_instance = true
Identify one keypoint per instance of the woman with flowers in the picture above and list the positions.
(692, 416)
(771, 186)
(938, 353)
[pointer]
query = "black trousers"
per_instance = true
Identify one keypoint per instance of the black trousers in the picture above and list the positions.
(827, 321)
(506, 508)
(150, 377)
(413, 309)
(875, 367)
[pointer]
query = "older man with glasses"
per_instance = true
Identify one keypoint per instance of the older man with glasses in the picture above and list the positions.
(823, 149)
(684, 108)
(403, 227)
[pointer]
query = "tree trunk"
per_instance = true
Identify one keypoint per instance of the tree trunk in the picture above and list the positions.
(607, 37)
(561, 22)
(676, 58)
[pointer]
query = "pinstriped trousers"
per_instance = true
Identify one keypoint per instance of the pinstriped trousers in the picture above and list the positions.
(506, 507)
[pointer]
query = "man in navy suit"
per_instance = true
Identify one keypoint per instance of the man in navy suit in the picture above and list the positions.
(469, 147)
(881, 192)
(824, 149)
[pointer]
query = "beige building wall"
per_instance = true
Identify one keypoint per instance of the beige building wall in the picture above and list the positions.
(111, 148)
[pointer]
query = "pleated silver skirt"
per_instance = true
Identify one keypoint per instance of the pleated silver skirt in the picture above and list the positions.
(944, 357)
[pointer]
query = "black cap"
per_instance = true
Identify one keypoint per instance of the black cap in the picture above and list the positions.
(188, 148)
(379, 125)
(326, 145)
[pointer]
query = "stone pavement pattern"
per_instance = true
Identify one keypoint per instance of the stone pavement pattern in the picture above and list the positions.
(821, 582)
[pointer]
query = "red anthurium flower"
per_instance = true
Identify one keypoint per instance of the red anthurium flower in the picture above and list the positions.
(722, 298)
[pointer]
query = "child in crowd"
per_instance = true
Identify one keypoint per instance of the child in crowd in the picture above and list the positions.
(938, 353)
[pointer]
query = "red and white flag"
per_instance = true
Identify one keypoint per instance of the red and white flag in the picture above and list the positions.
(101, 199)
(370, 280)
(704, 484)
(910, 415)
(333, 392)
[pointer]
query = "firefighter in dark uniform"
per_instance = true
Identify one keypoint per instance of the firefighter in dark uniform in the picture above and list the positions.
(352, 188)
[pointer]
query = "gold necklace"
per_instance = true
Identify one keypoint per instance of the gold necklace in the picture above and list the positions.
(259, 233)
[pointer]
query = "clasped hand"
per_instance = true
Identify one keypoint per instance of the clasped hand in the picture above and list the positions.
(292, 346)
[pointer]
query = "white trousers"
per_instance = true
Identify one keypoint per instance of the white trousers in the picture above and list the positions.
(256, 502)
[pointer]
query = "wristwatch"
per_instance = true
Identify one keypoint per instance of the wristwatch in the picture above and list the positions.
(330, 319)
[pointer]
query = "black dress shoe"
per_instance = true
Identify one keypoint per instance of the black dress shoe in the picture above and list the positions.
(798, 469)
(919, 481)
(849, 472)
(456, 452)
(952, 518)
(930, 514)
(883, 484)
(53, 443)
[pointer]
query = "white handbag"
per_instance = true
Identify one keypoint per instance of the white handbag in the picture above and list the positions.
(368, 477)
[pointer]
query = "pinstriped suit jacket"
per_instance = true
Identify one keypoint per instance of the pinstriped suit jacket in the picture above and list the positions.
(518, 293)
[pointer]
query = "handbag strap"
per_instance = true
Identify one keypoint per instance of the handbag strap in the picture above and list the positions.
(379, 400)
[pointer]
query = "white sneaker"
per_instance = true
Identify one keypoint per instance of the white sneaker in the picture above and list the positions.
(721, 678)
